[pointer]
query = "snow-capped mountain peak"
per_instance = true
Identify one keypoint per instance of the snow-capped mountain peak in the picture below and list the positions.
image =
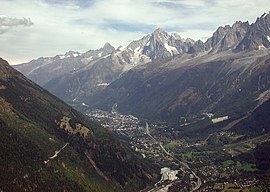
(160, 35)
(158, 44)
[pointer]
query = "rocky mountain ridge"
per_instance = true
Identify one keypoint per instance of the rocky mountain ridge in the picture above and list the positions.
(157, 45)
(44, 69)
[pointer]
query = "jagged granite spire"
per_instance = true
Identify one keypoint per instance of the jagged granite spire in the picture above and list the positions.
(108, 47)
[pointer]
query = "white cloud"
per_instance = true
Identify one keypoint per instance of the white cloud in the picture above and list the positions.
(81, 25)
(12, 21)
(6, 23)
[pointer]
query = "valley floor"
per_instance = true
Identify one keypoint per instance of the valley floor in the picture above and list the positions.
(200, 164)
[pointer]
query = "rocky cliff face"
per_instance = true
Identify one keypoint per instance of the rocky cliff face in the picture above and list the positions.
(227, 38)
(241, 36)
(258, 35)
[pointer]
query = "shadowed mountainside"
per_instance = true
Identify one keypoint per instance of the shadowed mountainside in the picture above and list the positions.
(48, 146)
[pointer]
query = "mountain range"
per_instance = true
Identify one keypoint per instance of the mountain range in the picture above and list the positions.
(163, 76)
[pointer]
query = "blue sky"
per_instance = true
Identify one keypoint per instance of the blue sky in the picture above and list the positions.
(33, 28)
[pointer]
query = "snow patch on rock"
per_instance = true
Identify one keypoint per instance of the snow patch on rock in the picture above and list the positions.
(268, 38)
(170, 49)
(76, 54)
(261, 47)
(100, 54)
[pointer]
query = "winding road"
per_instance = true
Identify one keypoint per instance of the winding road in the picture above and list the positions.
(185, 165)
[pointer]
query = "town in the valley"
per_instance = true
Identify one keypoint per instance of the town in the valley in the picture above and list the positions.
(186, 165)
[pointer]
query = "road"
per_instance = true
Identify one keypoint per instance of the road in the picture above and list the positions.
(185, 165)
(56, 153)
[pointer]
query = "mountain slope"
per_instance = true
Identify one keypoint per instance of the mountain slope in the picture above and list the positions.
(224, 84)
(84, 83)
(258, 122)
(48, 146)
(42, 70)
(94, 72)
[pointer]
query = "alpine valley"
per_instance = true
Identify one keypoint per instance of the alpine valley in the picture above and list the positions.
(197, 110)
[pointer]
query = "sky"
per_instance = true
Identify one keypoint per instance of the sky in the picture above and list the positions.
(30, 29)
